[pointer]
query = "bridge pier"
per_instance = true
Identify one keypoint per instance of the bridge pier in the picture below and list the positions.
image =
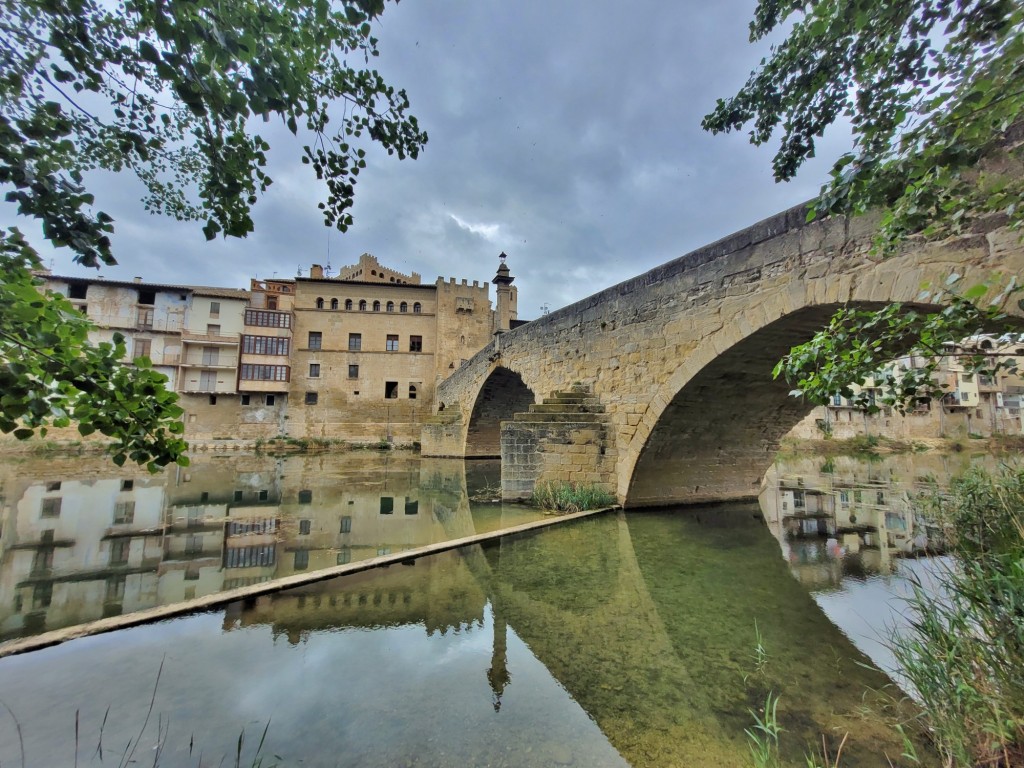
(564, 439)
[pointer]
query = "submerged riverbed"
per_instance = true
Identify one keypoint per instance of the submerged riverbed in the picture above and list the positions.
(628, 639)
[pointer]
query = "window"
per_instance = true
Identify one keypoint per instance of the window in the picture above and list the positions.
(301, 559)
(305, 497)
(53, 486)
(269, 400)
(315, 339)
(265, 319)
(417, 308)
(214, 309)
(391, 306)
(42, 594)
(346, 524)
(212, 329)
(245, 399)
(348, 304)
(264, 494)
(264, 345)
(193, 543)
(314, 370)
(119, 549)
(334, 303)
(272, 302)
(127, 485)
(50, 508)
(42, 560)
(264, 373)
(344, 556)
(213, 399)
(376, 306)
(114, 589)
(312, 398)
(144, 318)
(319, 302)
(353, 371)
(387, 505)
(141, 348)
(237, 496)
(304, 527)
(355, 342)
(392, 343)
(403, 307)
(412, 391)
(391, 390)
(415, 343)
(147, 297)
(362, 305)
(412, 506)
(77, 291)
(124, 513)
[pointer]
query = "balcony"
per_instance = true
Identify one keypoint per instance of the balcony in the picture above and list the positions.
(188, 337)
(199, 359)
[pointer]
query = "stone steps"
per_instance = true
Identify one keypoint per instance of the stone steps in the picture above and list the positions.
(571, 407)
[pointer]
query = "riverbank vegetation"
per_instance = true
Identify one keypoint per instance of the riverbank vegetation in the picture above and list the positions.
(570, 497)
(964, 652)
(962, 657)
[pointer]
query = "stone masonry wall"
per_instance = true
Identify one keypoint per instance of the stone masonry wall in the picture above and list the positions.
(641, 346)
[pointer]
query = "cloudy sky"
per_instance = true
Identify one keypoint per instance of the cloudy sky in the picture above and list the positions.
(565, 133)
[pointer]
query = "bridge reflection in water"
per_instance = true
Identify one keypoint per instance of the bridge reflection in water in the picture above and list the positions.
(624, 638)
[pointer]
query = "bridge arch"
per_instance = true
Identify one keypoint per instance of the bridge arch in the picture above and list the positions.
(502, 394)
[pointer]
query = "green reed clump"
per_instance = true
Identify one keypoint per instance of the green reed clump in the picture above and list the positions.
(570, 497)
(964, 651)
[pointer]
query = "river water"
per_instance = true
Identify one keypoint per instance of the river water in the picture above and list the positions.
(626, 639)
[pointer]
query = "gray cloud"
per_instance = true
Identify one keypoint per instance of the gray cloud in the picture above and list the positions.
(566, 134)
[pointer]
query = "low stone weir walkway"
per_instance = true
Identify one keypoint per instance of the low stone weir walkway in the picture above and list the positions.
(207, 602)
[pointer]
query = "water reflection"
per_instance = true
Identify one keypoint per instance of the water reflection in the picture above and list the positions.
(82, 540)
(625, 639)
(847, 517)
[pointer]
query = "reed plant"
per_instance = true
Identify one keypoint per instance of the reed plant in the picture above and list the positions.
(570, 497)
(964, 651)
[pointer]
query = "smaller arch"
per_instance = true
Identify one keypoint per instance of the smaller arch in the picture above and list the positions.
(391, 306)
(403, 307)
(362, 305)
(348, 304)
(373, 272)
(412, 391)
(376, 306)
(417, 308)
(319, 302)
(334, 303)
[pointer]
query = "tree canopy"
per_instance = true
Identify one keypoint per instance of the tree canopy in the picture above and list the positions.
(930, 89)
(171, 91)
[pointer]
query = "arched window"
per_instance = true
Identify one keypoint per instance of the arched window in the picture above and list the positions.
(334, 303)
(319, 303)
(391, 306)
(362, 305)
(403, 307)
(417, 308)
(348, 304)
(412, 391)
(376, 306)
(462, 339)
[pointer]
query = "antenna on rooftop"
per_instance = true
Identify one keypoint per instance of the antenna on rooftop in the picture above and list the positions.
(298, 270)
(544, 309)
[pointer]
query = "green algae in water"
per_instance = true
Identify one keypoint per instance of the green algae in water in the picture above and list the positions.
(622, 639)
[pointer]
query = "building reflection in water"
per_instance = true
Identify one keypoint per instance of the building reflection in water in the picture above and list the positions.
(79, 543)
(853, 517)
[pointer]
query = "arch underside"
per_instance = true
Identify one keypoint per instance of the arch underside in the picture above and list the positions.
(720, 432)
(503, 395)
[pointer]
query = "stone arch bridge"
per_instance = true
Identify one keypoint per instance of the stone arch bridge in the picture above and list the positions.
(666, 393)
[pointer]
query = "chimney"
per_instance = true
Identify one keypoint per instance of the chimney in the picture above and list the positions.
(316, 272)
(137, 279)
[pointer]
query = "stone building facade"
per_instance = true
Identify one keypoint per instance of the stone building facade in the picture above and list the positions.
(371, 344)
(353, 357)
